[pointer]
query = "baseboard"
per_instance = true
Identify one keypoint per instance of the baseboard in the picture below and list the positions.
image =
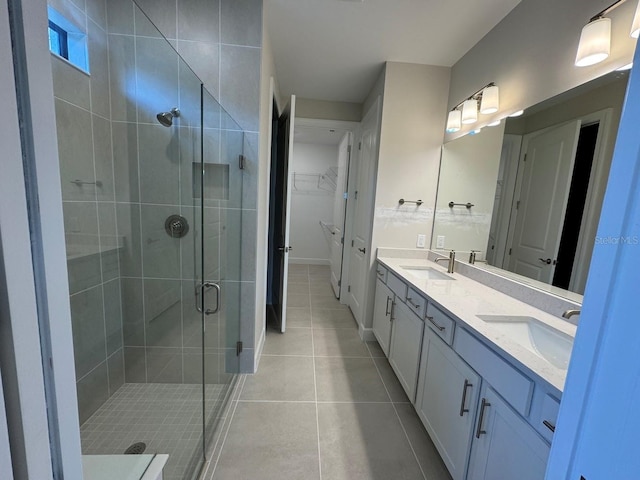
(366, 334)
(309, 261)
(258, 353)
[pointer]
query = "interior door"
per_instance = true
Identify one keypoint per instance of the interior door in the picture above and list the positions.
(359, 256)
(339, 211)
(544, 187)
(282, 220)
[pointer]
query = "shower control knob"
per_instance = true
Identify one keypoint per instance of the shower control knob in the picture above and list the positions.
(176, 226)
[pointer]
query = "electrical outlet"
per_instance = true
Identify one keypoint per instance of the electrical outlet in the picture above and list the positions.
(422, 240)
(440, 241)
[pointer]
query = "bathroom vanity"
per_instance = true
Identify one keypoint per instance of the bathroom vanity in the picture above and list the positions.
(484, 371)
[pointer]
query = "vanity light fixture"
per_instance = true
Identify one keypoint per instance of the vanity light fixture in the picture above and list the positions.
(454, 121)
(466, 112)
(494, 124)
(475, 132)
(595, 39)
(517, 114)
(624, 68)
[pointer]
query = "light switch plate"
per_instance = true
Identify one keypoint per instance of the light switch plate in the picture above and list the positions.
(422, 240)
(440, 241)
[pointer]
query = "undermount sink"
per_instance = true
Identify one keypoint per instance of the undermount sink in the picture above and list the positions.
(426, 273)
(538, 337)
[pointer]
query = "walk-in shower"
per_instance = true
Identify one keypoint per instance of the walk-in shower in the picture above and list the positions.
(166, 118)
(153, 218)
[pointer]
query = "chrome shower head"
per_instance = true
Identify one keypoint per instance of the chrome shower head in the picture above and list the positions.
(166, 118)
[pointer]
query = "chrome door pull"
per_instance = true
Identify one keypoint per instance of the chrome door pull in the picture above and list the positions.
(463, 410)
(207, 285)
(285, 249)
(439, 327)
(479, 430)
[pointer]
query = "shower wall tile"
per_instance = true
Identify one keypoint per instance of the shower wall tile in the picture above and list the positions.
(128, 218)
(190, 244)
(120, 16)
(115, 364)
(97, 11)
(135, 365)
(82, 242)
(163, 313)
(198, 20)
(93, 391)
(132, 312)
(241, 99)
(70, 84)
(192, 366)
(112, 316)
(122, 76)
(109, 255)
(204, 60)
(75, 152)
(189, 94)
(247, 311)
(191, 318)
(160, 252)
(163, 15)
(125, 161)
(159, 164)
(89, 343)
(164, 365)
(241, 22)
(251, 172)
(103, 154)
(189, 166)
(157, 78)
(99, 68)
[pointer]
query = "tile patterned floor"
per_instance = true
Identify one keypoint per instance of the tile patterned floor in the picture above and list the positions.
(167, 417)
(323, 405)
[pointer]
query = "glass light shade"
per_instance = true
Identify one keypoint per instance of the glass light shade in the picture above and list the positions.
(494, 124)
(490, 100)
(624, 68)
(517, 114)
(453, 121)
(475, 132)
(595, 42)
(469, 111)
(635, 26)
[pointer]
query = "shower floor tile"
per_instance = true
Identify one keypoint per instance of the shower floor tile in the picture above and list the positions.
(167, 417)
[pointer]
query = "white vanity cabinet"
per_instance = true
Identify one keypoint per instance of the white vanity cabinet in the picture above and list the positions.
(504, 445)
(447, 400)
(404, 354)
(383, 306)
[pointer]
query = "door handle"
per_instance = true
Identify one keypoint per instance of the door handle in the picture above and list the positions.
(479, 430)
(205, 286)
(386, 310)
(545, 260)
(285, 249)
(362, 250)
(464, 410)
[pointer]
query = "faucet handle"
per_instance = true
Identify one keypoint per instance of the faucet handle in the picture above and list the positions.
(570, 313)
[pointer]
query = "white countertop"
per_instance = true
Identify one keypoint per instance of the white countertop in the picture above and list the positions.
(464, 299)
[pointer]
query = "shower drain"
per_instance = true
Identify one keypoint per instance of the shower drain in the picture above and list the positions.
(136, 449)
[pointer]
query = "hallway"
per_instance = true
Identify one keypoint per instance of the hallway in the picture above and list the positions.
(323, 405)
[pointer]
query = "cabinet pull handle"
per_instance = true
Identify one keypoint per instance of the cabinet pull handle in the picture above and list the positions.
(411, 303)
(549, 425)
(463, 410)
(386, 309)
(380, 273)
(439, 327)
(479, 430)
(393, 307)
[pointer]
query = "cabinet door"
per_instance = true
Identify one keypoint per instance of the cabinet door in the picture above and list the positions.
(447, 401)
(406, 343)
(382, 315)
(504, 445)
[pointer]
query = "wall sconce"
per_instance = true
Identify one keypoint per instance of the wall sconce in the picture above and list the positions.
(466, 112)
(595, 38)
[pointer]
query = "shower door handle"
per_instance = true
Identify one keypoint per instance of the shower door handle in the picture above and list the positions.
(201, 289)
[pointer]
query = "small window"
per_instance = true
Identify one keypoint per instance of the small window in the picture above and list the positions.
(67, 40)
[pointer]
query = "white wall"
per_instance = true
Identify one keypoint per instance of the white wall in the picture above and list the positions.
(468, 174)
(311, 202)
(530, 54)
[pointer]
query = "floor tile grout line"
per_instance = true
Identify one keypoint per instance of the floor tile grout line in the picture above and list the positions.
(415, 456)
(315, 384)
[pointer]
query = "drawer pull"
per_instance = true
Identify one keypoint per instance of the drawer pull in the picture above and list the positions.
(380, 273)
(549, 425)
(386, 309)
(411, 303)
(439, 327)
(393, 307)
(463, 410)
(479, 430)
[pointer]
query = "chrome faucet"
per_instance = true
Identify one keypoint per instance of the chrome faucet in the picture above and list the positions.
(570, 313)
(451, 260)
(472, 257)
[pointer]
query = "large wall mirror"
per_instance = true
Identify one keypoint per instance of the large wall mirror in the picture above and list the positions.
(526, 195)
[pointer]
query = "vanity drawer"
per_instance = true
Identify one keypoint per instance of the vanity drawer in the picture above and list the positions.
(397, 286)
(440, 323)
(514, 387)
(416, 302)
(381, 273)
(546, 423)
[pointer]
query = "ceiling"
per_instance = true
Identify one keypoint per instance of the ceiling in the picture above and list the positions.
(334, 49)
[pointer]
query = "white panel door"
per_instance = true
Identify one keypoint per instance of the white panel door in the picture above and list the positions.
(544, 188)
(404, 353)
(339, 210)
(363, 199)
(382, 309)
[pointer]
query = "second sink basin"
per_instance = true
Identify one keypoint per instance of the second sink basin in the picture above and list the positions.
(426, 273)
(537, 337)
